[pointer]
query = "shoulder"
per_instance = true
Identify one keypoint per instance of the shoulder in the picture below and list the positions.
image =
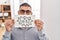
(14, 29)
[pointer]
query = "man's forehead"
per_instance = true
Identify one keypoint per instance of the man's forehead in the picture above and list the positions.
(25, 8)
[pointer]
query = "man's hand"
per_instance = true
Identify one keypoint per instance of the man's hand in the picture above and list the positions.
(9, 24)
(39, 24)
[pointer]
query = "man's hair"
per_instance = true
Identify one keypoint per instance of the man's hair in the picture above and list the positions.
(25, 4)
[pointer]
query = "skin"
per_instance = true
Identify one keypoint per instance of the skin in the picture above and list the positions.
(10, 22)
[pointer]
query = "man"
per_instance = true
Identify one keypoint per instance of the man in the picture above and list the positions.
(27, 33)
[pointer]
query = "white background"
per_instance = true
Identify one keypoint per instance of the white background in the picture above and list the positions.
(50, 13)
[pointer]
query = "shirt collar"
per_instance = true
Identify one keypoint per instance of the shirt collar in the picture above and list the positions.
(24, 28)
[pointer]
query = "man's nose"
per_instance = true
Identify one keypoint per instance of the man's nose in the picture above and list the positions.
(25, 13)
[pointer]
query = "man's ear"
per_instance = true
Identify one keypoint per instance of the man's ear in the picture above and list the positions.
(31, 13)
(18, 12)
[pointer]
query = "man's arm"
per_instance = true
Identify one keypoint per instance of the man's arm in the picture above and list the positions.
(8, 25)
(7, 36)
(41, 35)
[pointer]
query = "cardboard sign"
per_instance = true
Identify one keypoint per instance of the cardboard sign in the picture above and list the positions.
(24, 20)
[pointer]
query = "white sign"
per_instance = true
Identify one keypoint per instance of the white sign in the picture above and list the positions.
(24, 20)
(5, 14)
(1, 14)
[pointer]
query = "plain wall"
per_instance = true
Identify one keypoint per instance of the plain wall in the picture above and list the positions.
(50, 14)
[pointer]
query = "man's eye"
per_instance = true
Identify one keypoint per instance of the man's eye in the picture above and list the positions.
(28, 11)
(22, 11)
